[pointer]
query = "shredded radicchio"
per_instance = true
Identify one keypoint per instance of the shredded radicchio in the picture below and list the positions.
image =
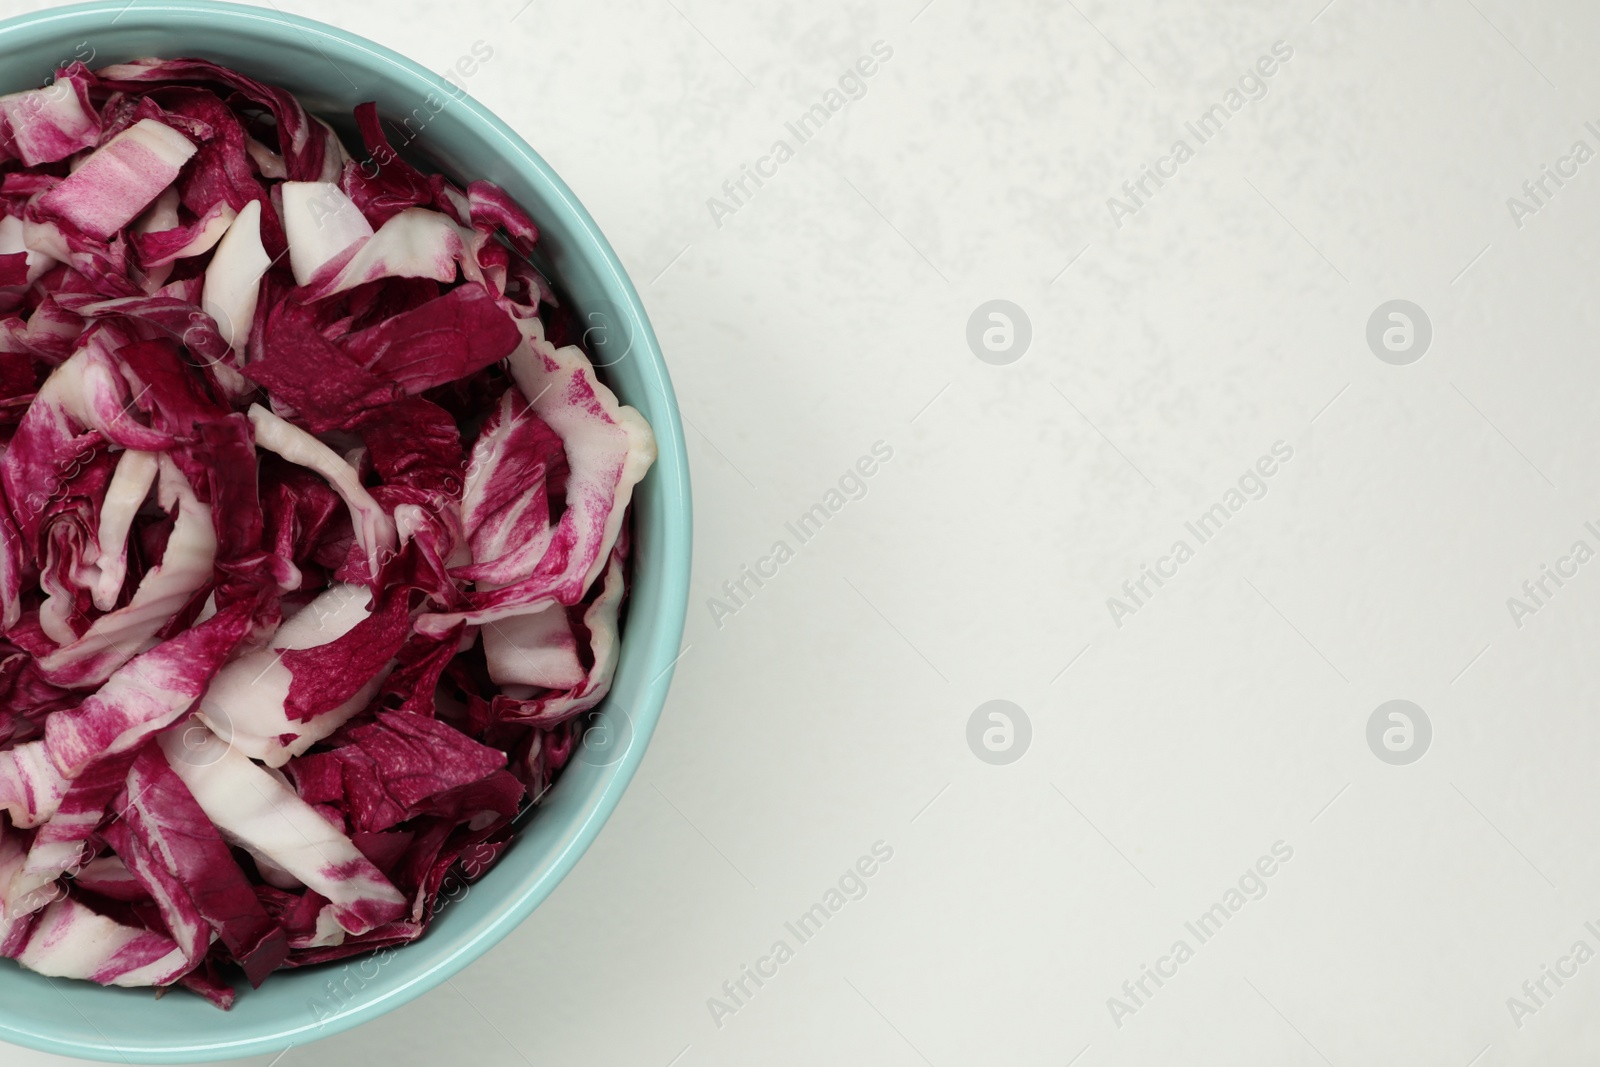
(313, 534)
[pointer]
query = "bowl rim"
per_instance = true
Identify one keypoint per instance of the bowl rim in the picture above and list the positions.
(661, 651)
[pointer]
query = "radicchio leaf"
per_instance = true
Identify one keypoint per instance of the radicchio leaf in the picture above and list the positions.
(383, 772)
(256, 811)
(163, 820)
(119, 179)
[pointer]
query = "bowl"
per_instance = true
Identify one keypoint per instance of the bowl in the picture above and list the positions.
(332, 71)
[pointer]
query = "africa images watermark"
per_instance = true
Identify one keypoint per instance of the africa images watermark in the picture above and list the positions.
(737, 992)
(852, 485)
(1537, 992)
(1252, 86)
(1538, 591)
(342, 987)
(1253, 485)
(1537, 192)
(1251, 885)
(465, 66)
(736, 192)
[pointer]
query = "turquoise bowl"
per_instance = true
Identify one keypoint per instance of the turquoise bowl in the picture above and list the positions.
(332, 71)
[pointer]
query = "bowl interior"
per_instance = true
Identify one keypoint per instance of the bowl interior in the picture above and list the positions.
(331, 72)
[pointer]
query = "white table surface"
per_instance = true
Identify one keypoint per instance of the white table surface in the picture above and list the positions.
(1229, 711)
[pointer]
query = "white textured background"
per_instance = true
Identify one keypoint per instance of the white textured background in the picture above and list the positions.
(830, 312)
